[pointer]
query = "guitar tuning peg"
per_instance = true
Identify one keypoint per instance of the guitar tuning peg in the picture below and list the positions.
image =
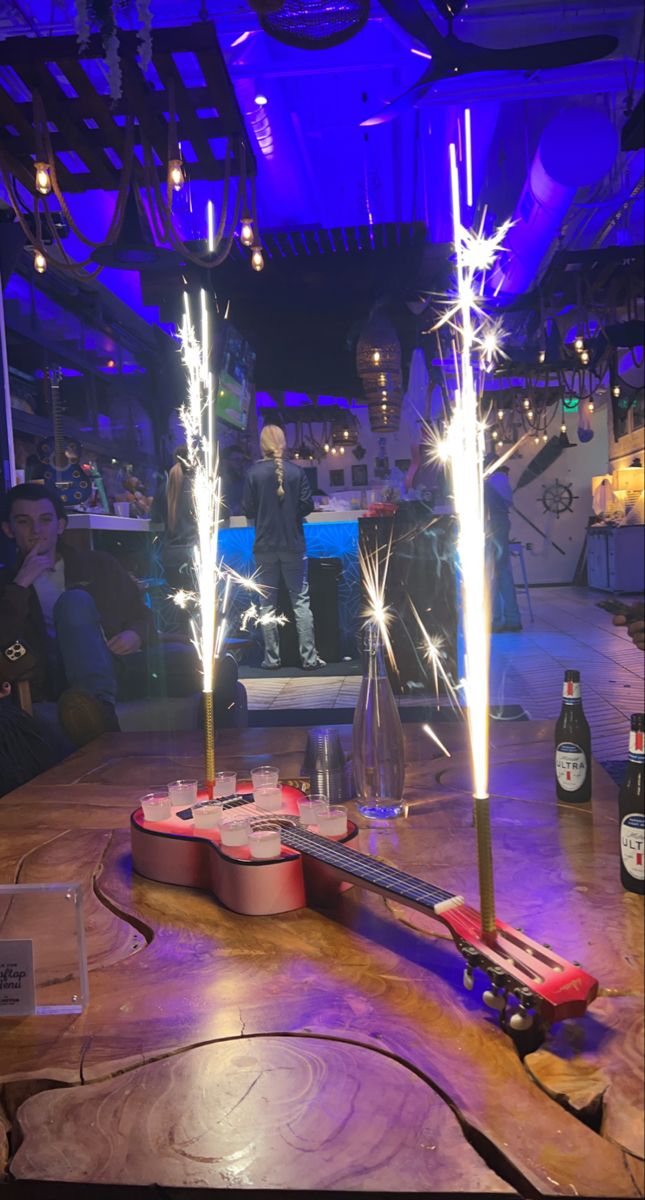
(522, 1019)
(469, 979)
(494, 999)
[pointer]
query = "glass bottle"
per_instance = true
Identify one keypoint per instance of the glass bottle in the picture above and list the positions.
(572, 745)
(377, 737)
(631, 810)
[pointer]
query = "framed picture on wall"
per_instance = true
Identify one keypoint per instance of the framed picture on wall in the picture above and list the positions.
(359, 475)
(337, 479)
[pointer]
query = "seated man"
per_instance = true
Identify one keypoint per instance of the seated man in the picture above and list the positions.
(83, 619)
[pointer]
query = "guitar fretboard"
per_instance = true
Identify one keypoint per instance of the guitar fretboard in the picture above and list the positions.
(354, 865)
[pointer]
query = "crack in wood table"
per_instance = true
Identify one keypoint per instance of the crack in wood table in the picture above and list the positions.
(330, 1049)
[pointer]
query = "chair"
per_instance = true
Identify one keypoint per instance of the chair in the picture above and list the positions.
(516, 549)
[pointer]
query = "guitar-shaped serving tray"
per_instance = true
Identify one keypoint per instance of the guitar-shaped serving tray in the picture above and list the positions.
(311, 869)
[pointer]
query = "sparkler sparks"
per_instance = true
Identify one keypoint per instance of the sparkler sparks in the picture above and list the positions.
(374, 577)
(431, 734)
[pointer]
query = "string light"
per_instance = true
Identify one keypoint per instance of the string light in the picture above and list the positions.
(500, 414)
(527, 403)
(43, 178)
(584, 357)
(257, 259)
(40, 263)
(530, 414)
(591, 406)
(542, 356)
(176, 177)
(579, 345)
(376, 357)
(563, 428)
(615, 391)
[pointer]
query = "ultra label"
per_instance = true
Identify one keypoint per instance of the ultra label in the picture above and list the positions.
(570, 766)
(632, 844)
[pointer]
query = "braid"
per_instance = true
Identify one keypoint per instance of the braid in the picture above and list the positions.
(279, 472)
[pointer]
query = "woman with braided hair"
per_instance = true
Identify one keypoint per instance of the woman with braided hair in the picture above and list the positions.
(277, 497)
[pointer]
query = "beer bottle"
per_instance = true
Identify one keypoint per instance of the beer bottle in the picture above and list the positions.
(572, 745)
(631, 811)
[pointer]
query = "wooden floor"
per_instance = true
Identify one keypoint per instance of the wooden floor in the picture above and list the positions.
(526, 669)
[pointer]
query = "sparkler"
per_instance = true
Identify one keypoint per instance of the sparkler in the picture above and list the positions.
(475, 255)
(374, 580)
(198, 421)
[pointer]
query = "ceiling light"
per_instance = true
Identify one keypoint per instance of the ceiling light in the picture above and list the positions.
(260, 99)
(257, 258)
(43, 178)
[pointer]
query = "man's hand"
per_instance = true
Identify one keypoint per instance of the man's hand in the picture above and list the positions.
(126, 642)
(635, 622)
(33, 566)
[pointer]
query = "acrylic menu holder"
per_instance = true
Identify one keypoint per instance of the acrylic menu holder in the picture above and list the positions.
(43, 962)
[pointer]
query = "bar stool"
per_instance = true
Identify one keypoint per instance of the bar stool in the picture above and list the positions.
(517, 550)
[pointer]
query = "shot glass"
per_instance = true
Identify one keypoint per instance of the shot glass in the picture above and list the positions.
(208, 816)
(234, 831)
(268, 798)
(182, 793)
(264, 839)
(263, 777)
(156, 806)
(225, 784)
(311, 809)
(333, 823)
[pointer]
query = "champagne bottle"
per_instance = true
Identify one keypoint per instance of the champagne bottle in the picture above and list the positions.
(572, 745)
(631, 811)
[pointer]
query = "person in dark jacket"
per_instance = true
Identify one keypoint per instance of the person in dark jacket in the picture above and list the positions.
(79, 612)
(277, 497)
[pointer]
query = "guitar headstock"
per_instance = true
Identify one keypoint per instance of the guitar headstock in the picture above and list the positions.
(539, 980)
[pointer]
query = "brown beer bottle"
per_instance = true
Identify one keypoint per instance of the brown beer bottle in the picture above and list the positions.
(631, 811)
(572, 745)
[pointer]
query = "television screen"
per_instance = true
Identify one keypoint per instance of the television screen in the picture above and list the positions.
(235, 387)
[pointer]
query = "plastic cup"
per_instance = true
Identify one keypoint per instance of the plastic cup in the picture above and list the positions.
(311, 809)
(268, 798)
(333, 823)
(156, 807)
(264, 777)
(182, 793)
(234, 831)
(264, 839)
(225, 783)
(207, 816)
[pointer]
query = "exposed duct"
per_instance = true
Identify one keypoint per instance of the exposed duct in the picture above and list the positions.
(576, 150)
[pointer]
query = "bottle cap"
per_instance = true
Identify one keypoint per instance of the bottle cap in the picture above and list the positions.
(637, 722)
(572, 676)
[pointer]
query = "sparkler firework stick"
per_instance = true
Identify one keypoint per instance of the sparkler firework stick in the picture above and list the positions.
(465, 443)
(198, 420)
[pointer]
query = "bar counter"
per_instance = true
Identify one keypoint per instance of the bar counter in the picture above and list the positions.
(327, 1049)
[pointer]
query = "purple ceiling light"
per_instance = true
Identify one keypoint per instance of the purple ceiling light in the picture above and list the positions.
(314, 24)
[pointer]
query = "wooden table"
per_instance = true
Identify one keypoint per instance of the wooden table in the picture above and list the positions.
(331, 1050)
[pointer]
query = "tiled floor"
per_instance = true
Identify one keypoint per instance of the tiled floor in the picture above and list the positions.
(526, 668)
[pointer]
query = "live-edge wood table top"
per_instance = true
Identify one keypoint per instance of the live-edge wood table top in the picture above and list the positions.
(337, 1049)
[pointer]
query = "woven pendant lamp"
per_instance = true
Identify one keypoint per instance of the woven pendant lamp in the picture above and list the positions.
(378, 362)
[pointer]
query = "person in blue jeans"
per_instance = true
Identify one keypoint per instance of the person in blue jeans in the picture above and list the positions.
(276, 498)
(498, 498)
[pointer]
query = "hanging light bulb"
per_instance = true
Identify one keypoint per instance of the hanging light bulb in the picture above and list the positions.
(591, 406)
(494, 435)
(346, 434)
(563, 428)
(579, 345)
(43, 178)
(334, 450)
(384, 407)
(257, 258)
(527, 402)
(541, 356)
(545, 436)
(246, 230)
(536, 440)
(376, 356)
(500, 414)
(615, 391)
(584, 357)
(40, 263)
(530, 414)
(326, 447)
(176, 177)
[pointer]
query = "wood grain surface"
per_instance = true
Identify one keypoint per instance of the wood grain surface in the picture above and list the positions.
(377, 978)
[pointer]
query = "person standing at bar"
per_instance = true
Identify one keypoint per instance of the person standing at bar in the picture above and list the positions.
(276, 498)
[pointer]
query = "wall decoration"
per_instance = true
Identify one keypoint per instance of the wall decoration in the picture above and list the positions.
(337, 478)
(558, 498)
(359, 476)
